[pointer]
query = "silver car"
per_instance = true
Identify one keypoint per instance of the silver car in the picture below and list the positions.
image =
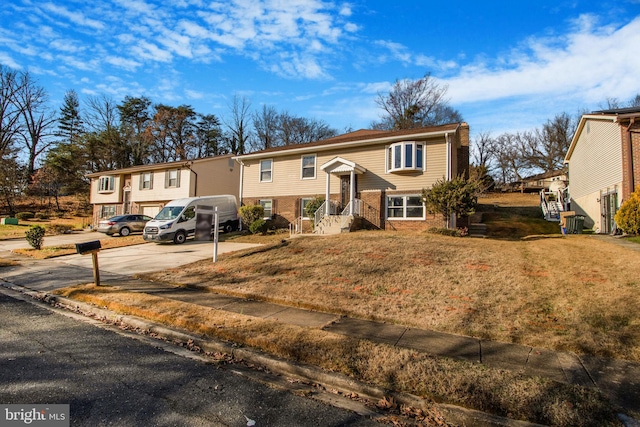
(123, 224)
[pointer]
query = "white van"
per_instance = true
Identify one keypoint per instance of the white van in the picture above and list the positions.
(177, 219)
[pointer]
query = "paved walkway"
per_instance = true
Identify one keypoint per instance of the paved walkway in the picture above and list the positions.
(618, 379)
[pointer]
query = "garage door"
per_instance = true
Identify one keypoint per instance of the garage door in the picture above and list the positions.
(151, 211)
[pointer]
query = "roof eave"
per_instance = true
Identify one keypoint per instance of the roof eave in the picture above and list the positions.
(340, 145)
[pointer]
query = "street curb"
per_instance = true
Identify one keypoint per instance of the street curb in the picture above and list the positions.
(454, 414)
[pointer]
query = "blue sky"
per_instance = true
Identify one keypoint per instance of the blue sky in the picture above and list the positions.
(508, 65)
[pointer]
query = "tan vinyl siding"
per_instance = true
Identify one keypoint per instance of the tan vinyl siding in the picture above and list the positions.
(287, 180)
(596, 162)
(114, 196)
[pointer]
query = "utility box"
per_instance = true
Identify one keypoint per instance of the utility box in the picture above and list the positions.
(88, 247)
(9, 221)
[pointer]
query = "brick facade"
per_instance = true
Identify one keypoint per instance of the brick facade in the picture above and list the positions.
(630, 133)
(286, 210)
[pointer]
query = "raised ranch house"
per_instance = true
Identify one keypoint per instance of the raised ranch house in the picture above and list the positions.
(604, 165)
(146, 189)
(371, 178)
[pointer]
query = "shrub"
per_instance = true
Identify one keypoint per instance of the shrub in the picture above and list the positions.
(42, 215)
(313, 206)
(35, 236)
(258, 226)
(628, 217)
(251, 213)
(460, 232)
(59, 228)
(457, 196)
(25, 215)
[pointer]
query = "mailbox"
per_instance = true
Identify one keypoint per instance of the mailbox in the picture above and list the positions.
(88, 247)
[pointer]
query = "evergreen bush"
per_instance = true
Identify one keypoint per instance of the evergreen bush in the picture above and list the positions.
(35, 236)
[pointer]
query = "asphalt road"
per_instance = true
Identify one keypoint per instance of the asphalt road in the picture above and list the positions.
(110, 378)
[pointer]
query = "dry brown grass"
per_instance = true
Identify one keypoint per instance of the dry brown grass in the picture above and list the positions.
(56, 251)
(560, 293)
(497, 391)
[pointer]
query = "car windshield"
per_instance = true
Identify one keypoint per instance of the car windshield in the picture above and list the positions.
(169, 212)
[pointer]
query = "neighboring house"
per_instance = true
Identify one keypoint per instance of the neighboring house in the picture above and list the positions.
(374, 178)
(146, 189)
(539, 182)
(604, 165)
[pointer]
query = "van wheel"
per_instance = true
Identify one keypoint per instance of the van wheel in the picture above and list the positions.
(228, 227)
(179, 238)
(124, 231)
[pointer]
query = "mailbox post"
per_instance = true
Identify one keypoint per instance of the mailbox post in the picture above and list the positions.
(92, 248)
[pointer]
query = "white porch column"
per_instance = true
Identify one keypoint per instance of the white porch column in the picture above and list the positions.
(352, 191)
(327, 203)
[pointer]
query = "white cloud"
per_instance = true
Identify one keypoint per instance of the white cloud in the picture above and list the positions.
(127, 64)
(6, 59)
(75, 17)
(590, 62)
(151, 52)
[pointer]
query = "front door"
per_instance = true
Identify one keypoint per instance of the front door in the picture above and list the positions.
(609, 207)
(127, 202)
(345, 184)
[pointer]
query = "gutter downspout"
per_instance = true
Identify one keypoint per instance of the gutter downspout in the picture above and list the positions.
(195, 182)
(630, 165)
(241, 181)
(451, 221)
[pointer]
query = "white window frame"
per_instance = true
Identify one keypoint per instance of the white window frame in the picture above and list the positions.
(106, 184)
(144, 180)
(303, 203)
(410, 154)
(263, 202)
(302, 166)
(404, 207)
(107, 211)
(262, 170)
(168, 178)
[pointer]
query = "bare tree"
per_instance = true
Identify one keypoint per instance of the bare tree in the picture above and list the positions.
(546, 148)
(10, 126)
(483, 149)
(37, 120)
(238, 125)
(265, 124)
(415, 103)
(508, 158)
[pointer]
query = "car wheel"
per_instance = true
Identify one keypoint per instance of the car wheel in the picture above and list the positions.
(179, 238)
(124, 231)
(228, 227)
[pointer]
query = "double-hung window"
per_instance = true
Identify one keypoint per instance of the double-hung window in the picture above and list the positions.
(406, 156)
(309, 166)
(408, 206)
(172, 178)
(266, 170)
(267, 205)
(303, 207)
(106, 184)
(146, 180)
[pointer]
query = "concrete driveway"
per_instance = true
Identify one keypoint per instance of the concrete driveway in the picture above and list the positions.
(135, 259)
(151, 256)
